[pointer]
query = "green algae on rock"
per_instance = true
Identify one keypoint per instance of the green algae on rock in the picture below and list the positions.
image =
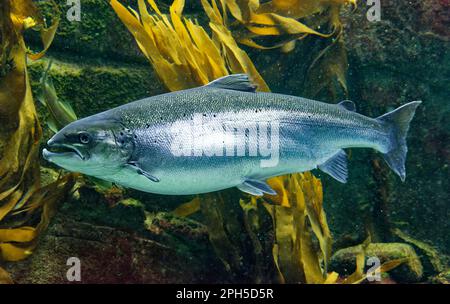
(343, 261)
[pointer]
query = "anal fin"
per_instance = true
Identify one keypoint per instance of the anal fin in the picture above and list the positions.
(336, 166)
(256, 187)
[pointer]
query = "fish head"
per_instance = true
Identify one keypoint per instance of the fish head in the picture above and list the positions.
(92, 146)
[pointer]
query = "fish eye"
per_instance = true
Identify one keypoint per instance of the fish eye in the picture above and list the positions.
(84, 137)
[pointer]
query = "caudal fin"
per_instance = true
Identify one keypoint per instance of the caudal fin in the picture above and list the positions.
(398, 120)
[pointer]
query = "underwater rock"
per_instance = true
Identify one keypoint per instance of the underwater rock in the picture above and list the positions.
(402, 57)
(435, 18)
(99, 33)
(344, 260)
(108, 255)
(92, 86)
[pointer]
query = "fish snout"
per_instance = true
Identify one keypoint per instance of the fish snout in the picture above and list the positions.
(56, 139)
(60, 146)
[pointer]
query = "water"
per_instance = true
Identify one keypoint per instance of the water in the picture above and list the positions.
(124, 235)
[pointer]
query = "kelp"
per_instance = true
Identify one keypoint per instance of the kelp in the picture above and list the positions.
(5, 278)
(240, 235)
(281, 18)
(180, 50)
(188, 208)
(253, 226)
(214, 211)
(25, 206)
(295, 222)
(301, 241)
(60, 112)
(328, 70)
(18, 242)
(184, 55)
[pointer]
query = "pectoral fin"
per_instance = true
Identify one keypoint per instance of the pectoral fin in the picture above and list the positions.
(151, 177)
(256, 187)
(336, 166)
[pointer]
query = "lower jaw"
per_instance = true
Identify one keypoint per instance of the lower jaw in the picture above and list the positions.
(50, 156)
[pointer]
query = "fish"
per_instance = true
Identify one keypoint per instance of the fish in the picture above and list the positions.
(60, 112)
(225, 134)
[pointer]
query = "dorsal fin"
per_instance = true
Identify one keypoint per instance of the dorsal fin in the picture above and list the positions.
(348, 105)
(336, 166)
(237, 82)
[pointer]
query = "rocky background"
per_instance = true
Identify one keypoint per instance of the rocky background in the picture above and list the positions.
(134, 239)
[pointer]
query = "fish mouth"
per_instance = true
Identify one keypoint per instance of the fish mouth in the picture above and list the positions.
(62, 150)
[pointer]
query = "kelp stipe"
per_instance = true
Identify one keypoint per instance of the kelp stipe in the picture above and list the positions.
(61, 113)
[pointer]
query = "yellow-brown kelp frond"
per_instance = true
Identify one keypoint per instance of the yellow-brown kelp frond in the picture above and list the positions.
(17, 242)
(21, 195)
(180, 50)
(297, 212)
(5, 278)
(298, 215)
(280, 18)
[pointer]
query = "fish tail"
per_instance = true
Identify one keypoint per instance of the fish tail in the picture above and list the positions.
(398, 121)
